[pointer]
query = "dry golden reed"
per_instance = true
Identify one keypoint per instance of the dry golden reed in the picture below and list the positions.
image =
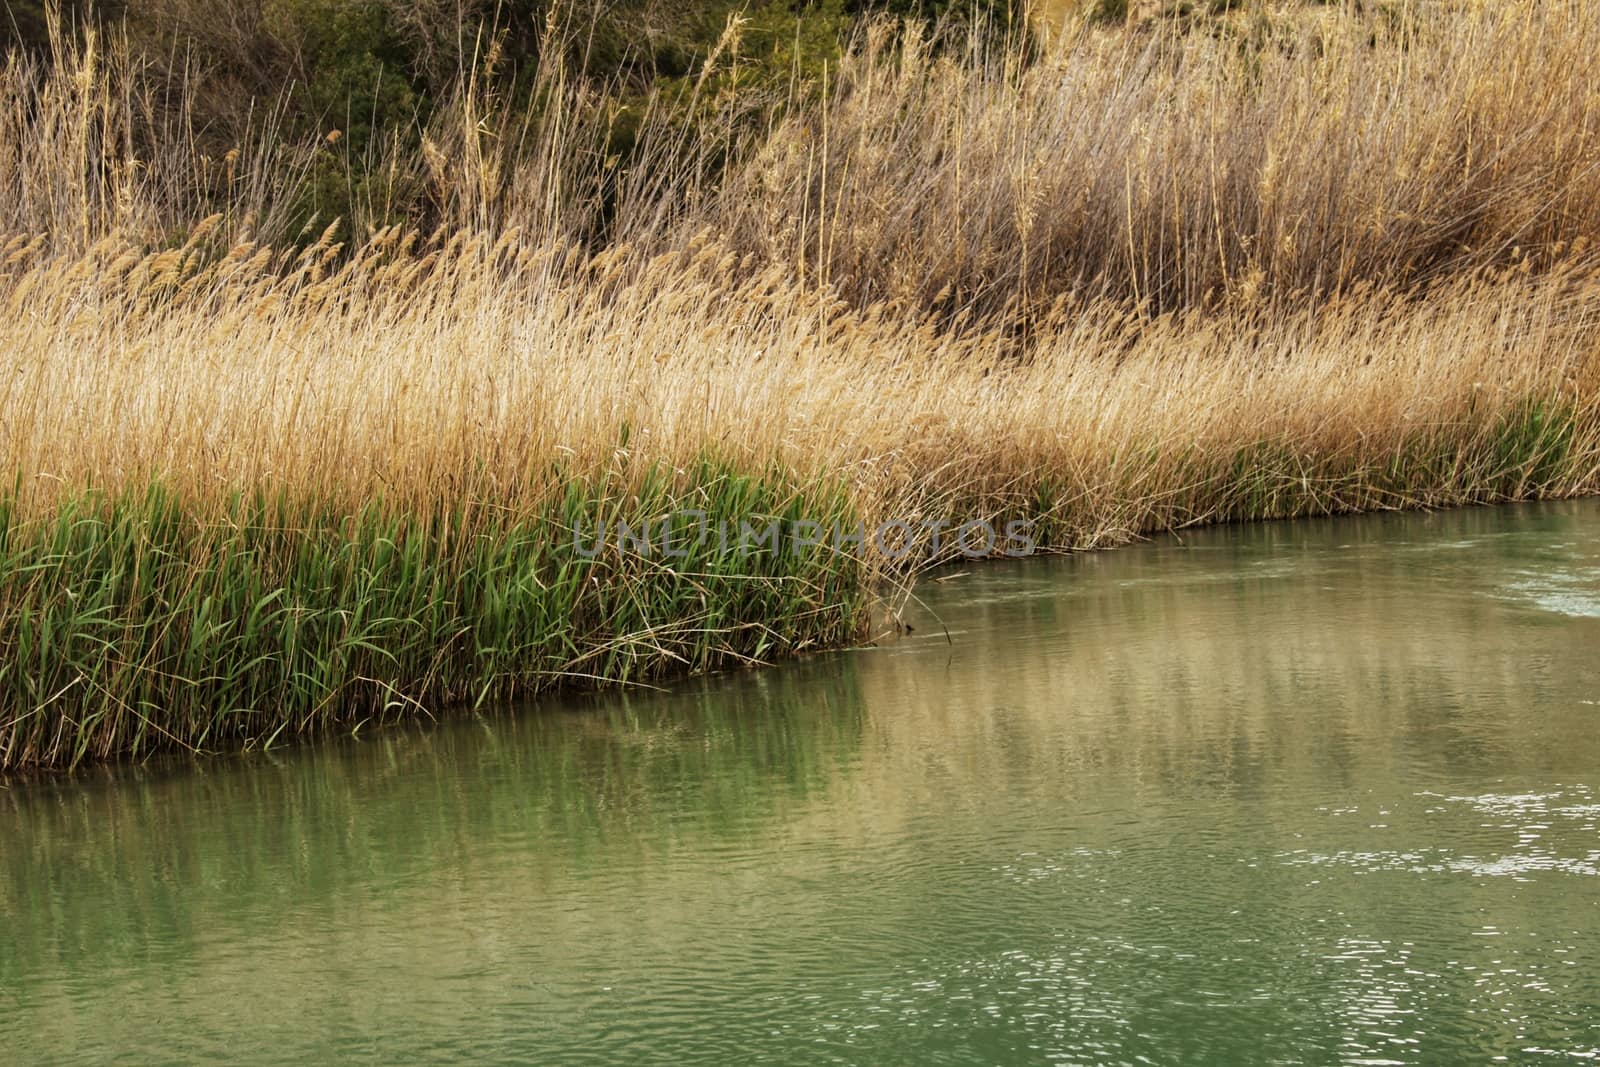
(1290, 154)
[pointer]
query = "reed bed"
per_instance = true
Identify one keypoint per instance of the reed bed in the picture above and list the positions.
(265, 489)
(1288, 153)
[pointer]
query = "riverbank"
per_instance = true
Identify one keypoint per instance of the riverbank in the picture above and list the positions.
(267, 490)
(384, 511)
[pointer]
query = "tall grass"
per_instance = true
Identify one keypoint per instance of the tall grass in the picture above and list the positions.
(135, 624)
(261, 488)
(93, 146)
(1291, 155)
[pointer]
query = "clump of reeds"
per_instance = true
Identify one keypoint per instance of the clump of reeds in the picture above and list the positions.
(135, 624)
(365, 479)
(1296, 155)
(93, 146)
(260, 489)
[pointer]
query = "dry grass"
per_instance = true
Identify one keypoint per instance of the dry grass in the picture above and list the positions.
(93, 146)
(1294, 156)
(478, 370)
(1136, 286)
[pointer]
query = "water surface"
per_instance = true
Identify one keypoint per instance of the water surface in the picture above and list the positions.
(1298, 793)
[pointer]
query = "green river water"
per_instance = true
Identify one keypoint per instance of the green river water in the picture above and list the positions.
(1311, 792)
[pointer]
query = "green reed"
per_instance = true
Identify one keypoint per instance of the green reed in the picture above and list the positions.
(131, 625)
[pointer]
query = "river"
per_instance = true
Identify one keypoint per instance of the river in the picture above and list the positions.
(1307, 792)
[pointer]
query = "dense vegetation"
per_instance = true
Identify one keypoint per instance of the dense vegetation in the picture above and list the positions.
(352, 89)
(308, 388)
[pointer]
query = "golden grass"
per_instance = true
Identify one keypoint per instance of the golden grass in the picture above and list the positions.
(1293, 155)
(475, 372)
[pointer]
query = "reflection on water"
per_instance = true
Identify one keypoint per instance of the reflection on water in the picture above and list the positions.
(1305, 792)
